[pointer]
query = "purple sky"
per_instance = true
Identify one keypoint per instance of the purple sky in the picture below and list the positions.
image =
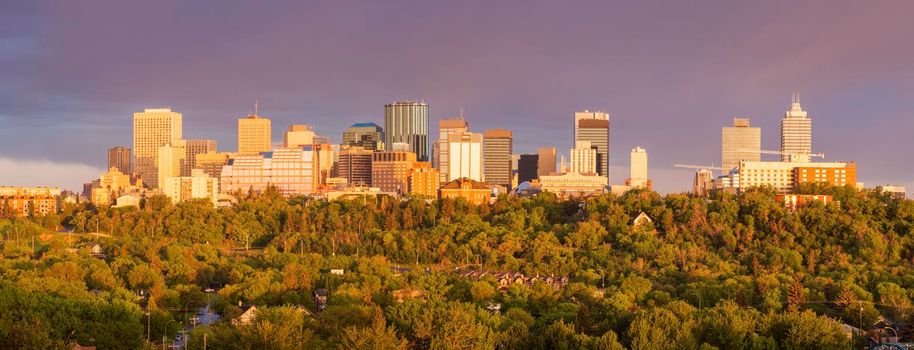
(671, 73)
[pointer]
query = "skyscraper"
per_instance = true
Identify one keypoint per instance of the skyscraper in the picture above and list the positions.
(355, 165)
(446, 127)
(638, 176)
(527, 167)
(365, 135)
(119, 158)
(496, 148)
(254, 135)
(407, 122)
(465, 156)
(153, 128)
(740, 142)
(297, 136)
(390, 170)
(583, 158)
(194, 148)
(796, 133)
(545, 164)
(703, 182)
(594, 127)
(172, 160)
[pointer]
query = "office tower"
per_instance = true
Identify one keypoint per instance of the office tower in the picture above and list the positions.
(527, 167)
(464, 156)
(355, 165)
(298, 135)
(583, 158)
(594, 127)
(119, 158)
(153, 128)
(423, 180)
(407, 122)
(197, 185)
(545, 161)
(365, 135)
(324, 157)
(254, 135)
(446, 127)
(290, 170)
(171, 160)
(638, 168)
(796, 133)
(211, 163)
(703, 183)
(194, 148)
(740, 142)
(496, 148)
(390, 170)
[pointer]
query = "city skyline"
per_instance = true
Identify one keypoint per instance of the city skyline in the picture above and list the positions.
(738, 67)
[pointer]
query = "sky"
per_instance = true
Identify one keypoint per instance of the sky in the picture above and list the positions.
(670, 73)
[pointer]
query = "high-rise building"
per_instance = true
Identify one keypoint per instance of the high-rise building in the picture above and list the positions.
(703, 182)
(365, 135)
(152, 129)
(594, 127)
(194, 148)
(172, 161)
(497, 148)
(119, 158)
(583, 158)
(390, 170)
(355, 165)
(298, 135)
(527, 167)
(211, 163)
(740, 142)
(465, 156)
(796, 133)
(323, 163)
(638, 168)
(423, 180)
(407, 122)
(545, 161)
(290, 170)
(254, 135)
(446, 127)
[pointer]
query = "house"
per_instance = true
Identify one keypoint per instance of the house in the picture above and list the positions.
(320, 298)
(127, 201)
(97, 252)
(248, 315)
(641, 220)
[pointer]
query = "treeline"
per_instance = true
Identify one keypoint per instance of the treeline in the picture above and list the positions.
(726, 272)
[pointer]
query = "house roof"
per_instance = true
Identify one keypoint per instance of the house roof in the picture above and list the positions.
(459, 184)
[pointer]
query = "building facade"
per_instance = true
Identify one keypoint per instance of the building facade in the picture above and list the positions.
(194, 148)
(111, 185)
(475, 192)
(638, 176)
(290, 170)
(211, 162)
(172, 160)
(786, 176)
(740, 142)
(527, 167)
(254, 135)
(25, 201)
(571, 185)
(465, 156)
(545, 161)
(355, 165)
(583, 158)
(198, 185)
(594, 128)
(366, 135)
(297, 136)
(424, 180)
(796, 133)
(446, 127)
(119, 158)
(407, 122)
(497, 147)
(390, 170)
(153, 128)
(703, 183)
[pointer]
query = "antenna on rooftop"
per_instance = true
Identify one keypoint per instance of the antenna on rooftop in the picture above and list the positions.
(461, 113)
(256, 107)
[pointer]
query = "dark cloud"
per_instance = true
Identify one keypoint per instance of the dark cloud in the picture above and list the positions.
(671, 73)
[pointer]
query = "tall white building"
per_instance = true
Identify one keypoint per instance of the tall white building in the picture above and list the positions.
(638, 168)
(583, 158)
(172, 160)
(446, 127)
(740, 142)
(298, 135)
(465, 156)
(153, 128)
(796, 133)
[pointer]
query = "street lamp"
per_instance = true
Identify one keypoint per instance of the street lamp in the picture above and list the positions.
(165, 332)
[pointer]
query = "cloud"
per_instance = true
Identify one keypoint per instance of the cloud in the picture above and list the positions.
(68, 176)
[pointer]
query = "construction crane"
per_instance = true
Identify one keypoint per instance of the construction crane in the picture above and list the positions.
(780, 153)
(691, 166)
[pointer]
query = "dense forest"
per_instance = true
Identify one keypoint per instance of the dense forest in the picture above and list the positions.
(727, 272)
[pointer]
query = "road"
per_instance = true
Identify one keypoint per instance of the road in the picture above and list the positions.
(204, 316)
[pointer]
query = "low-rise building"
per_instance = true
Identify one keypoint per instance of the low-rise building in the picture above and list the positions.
(423, 180)
(573, 184)
(390, 170)
(786, 176)
(25, 201)
(290, 170)
(198, 185)
(473, 191)
(894, 191)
